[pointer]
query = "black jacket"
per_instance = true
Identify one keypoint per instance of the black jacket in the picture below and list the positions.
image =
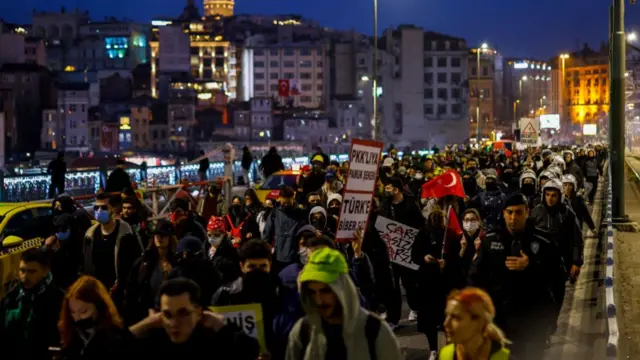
(405, 212)
(106, 344)
(118, 181)
(202, 272)
(560, 226)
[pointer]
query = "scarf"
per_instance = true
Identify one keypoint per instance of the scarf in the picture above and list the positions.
(26, 297)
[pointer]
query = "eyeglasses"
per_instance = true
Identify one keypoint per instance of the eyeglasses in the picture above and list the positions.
(100, 207)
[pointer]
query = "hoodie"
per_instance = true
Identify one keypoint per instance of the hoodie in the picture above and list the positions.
(353, 329)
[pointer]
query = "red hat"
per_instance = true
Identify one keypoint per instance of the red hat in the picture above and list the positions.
(216, 223)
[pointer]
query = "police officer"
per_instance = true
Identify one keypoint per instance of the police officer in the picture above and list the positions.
(517, 266)
(490, 202)
(558, 223)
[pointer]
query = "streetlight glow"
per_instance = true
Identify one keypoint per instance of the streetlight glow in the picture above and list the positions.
(484, 46)
(632, 36)
(564, 56)
(525, 78)
(364, 78)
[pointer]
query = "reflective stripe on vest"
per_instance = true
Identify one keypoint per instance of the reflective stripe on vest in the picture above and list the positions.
(448, 352)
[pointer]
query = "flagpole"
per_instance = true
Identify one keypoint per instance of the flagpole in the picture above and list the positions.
(446, 228)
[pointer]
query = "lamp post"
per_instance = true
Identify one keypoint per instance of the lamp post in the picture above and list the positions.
(617, 66)
(484, 47)
(377, 126)
(563, 58)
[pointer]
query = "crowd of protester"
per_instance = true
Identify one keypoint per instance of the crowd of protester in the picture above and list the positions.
(124, 286)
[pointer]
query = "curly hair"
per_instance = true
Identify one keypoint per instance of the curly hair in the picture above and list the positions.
(90, 290)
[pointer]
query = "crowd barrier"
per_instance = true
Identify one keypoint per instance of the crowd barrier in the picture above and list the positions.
(610, 303)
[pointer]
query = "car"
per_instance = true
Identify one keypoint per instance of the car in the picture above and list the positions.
(270, 187)
(22, 226)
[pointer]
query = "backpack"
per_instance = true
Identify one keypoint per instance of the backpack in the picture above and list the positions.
(371, 330)
(236, 232)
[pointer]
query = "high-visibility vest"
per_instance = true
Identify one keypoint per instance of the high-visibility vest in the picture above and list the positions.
(448, 353)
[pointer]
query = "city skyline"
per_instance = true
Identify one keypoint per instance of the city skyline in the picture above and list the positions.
(509, 27)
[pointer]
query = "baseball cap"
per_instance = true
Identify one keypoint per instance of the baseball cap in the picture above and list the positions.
(189, 244)
(325, 265)
(163, 227)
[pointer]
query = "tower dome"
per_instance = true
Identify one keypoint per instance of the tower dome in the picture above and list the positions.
(218, 7)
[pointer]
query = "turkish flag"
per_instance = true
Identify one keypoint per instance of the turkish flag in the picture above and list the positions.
(283, 87)
(448, 183)
(452, 232)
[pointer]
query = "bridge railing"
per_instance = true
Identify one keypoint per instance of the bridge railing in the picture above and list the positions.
(610, 301)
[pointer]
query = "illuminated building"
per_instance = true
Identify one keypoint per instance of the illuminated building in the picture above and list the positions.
(527, 88)
(586, 87)
(218, 7)
(196, 48)
(483, 88)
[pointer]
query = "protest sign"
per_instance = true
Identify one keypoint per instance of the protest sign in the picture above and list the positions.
(247, 317)
(399, 239)
(363, 165)
(358, 191)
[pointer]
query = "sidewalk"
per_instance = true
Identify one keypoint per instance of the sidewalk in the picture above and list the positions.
(626, 273)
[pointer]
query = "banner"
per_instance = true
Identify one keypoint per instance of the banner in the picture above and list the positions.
(399, 239)
(247, 317)
(359, 189)
(283, 88)
(294, 87)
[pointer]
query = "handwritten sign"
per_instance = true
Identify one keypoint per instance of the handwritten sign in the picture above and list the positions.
(399, 239)
(363, 165)
(247, 317)
(354, 214)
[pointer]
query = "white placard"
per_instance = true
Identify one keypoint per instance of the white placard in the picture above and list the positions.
(529, 130)
(354, 213)
(589, 129)
(550, 121)
(399, 239)
(363, 165)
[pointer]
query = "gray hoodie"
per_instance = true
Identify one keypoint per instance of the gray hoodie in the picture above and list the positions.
(354, 337)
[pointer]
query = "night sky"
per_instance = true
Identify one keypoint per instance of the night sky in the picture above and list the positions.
(523, 28)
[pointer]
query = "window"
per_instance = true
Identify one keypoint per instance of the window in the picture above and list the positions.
(258, 64)
(306, 64)
(485, 71)
(442, 109)
(82, 108)
(442, 62)
(456, 109)
(258, 52)
(428, 109)
(442, 78)
(274, 64)
(305, 99)
(455, 62)
(305, 75)
(273, 87)
(319, 64)
(72, 108)
(306, 87)
(289, 75)
(442, 94)
(456, 78)
(428, 78)
(273, 52)
(319, 87)
(486, 93)
(273, 76)
(259, 76)
(319, 76)
(305, 52)
(474, 71)
(289, 52)
(455, 93)
(289, 64)
(428, 62)
(21, 225)
(428, 93)
(258, 87)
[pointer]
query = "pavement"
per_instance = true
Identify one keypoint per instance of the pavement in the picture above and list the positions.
(582, 325)
(626, 283)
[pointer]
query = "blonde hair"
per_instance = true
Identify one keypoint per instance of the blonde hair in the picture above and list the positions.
(479, 304)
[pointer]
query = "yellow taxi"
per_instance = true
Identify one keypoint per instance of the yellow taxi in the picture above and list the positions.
(22, 226)
(270, 187)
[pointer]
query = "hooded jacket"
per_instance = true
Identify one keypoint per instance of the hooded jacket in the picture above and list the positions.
(353, 333)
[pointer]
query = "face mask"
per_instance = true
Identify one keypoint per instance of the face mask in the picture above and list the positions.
(314, 203)
(388, 194)
(528, 189)
(85, 324)
(236, 207)
(333, 211)
(63, 235)
(319, 223)
(472, 169)
(215, 240)
(491, 186)
(470, 226)
(303, 254)
(103, 216)
(419, 176)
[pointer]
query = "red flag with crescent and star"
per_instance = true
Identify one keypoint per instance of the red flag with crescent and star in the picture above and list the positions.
(448, 183)
(283, 87)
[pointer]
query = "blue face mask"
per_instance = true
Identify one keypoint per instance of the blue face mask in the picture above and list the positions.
(103, 216)
(63, 235)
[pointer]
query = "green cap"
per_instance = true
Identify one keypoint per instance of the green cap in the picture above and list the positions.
(325, 265)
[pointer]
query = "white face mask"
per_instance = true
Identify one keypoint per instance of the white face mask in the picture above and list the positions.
(419, 176)
(470, 226)
(215, 240)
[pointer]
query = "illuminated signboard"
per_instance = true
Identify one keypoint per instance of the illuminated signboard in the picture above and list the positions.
(550, 121)
(160, 23)
(590, 129)
(520, 65)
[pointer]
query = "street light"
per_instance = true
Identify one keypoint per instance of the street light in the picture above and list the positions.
(484, 47)
(632, 36)
(377, 130)
(364, 78)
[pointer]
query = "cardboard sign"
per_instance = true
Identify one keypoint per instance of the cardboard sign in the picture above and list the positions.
(399, 239)
(247, 317)
(354, 214)
(530, 128)
(363, 165)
